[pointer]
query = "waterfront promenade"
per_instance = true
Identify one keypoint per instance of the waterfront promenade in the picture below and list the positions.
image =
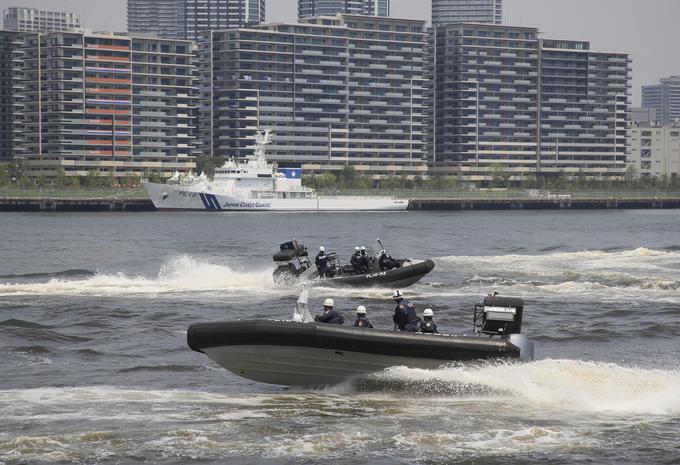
(135, 200)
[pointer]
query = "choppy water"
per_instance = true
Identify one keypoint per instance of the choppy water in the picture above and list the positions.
(94, 367)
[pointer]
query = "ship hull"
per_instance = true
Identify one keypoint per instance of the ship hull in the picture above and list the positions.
(311, 354)
(202, 198)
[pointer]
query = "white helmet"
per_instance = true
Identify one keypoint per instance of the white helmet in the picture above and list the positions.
(382, 252)
(322, 249)
(363, 248)
(396, 295)
(361, 310)
(428, 312)
(356, 249)
(328, 303)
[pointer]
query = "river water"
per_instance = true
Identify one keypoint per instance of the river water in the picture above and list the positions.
(94, 366)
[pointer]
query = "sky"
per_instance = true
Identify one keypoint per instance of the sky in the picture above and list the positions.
(646, 29)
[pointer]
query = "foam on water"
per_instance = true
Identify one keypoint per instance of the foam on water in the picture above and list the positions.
(566, 385)
(654, 261)
(178, 275)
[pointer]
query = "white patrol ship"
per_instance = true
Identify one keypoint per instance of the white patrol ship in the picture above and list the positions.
(255, 185)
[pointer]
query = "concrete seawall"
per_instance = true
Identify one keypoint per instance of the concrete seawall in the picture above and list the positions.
(145, 205)
(75, 205)
(542, 204)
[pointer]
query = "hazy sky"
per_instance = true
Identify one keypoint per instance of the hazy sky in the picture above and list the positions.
(647, 29)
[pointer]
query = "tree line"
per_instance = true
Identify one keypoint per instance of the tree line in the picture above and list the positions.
(15, 175)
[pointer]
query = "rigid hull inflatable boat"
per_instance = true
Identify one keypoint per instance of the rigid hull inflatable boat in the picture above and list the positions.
(304, 353)
(294, 265)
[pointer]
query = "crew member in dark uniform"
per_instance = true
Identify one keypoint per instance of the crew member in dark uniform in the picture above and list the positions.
(386, 262)
(321, 262)
(362, 320)
(329, 314)
(364, 261)
(405, 317)
(355, 260)
(427, 325)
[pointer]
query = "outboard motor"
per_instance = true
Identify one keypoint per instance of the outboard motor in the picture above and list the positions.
(502, 316)
(289, 251)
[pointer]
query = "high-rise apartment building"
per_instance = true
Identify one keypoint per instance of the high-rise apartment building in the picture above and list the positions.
(311, 8)
(655, 150)
(467, 11)
(158, 17)
(664, 98)
(188, 19)
(506, 99)
(11, 94)
(34, 20)
(336, 92)
(109, 103)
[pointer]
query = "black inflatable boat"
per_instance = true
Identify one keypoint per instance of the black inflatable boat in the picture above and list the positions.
(296, 266)
(310, 354)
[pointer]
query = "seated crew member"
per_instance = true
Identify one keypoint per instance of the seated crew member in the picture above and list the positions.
(321, 262)
(427, 325)
(405, 317)
(355, 260)
(362, 320)
(386, 262)
(329, 314)
(364, 261)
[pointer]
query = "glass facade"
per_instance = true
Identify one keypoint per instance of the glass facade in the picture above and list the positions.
(467, 11)
(505, 98)
(350, 93)
(311, 8)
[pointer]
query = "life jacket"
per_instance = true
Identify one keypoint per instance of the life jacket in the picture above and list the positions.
(428, 327)
(363, 322)
(405, 313)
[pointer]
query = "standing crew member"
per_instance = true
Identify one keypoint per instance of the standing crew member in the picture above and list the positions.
(405, 317)
(386, 262)
(355, 260)
(321, 262)
(329, 314)
(362, 320)
(428, 325)
(364, 261)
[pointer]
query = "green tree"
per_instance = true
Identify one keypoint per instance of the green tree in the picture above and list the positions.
(60, 179)
(208, 165)
(327, 180)
(111, 179)
(92, 179)
(4, 175)
(530, 182)
(499, 177)
(348, 177)
(563, 182)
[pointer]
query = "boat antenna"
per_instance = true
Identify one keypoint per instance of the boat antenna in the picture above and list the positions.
(380, 243)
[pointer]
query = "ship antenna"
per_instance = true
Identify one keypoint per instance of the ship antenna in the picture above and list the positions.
(262, 139)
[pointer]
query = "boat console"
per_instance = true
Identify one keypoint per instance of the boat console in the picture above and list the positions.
(499, 316)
